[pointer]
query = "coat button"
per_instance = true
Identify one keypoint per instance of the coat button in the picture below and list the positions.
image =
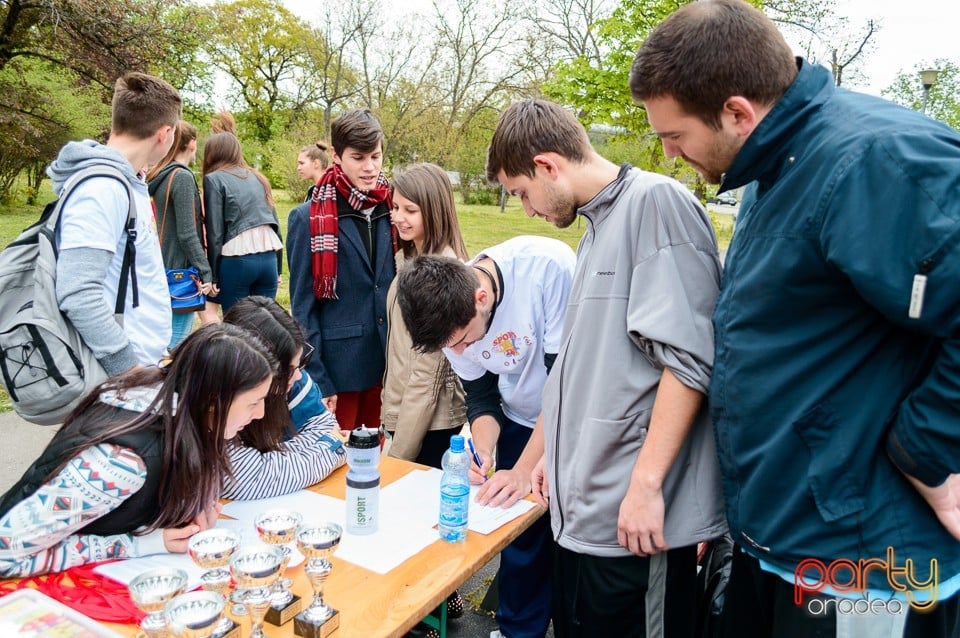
(380, 321)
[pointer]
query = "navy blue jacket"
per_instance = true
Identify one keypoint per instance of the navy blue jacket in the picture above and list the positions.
(350, 332)
(826, 379)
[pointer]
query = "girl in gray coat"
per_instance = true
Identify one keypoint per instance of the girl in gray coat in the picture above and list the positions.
(179, 212)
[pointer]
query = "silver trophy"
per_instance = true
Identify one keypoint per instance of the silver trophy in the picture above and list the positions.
(150, 591)
(195, 615)
(277, 527)
(256, 569)
(317, 542)
(211, 549)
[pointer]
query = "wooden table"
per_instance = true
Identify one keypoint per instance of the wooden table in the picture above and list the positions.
(391, 604)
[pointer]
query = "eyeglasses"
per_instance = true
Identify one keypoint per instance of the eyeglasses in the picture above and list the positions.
(305, 357)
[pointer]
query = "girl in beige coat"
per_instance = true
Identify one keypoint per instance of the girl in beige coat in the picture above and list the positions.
(422, 397)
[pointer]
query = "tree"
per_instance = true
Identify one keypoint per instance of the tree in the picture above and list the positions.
(337, 79)
(597, 86)
(59, 60)
(942, 102)
(40, 110)
(826, 37)
(268, 54)
(97, 39)
(477, 65)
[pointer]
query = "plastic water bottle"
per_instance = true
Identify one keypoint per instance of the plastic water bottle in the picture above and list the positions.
(363, 481)
(454, 492)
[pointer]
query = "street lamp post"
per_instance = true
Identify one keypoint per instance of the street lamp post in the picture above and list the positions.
(927, 77)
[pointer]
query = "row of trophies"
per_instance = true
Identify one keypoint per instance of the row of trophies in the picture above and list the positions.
(261, 589)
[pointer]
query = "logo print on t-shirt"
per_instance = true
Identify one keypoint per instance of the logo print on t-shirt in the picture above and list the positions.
(506, 344)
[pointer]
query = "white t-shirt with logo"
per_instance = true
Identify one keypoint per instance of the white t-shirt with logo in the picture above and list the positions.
(537, 275)
(96, 217)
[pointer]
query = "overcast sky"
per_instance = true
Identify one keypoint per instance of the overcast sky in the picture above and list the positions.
(913, 31)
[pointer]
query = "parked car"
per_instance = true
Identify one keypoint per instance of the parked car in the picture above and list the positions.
(727, 199)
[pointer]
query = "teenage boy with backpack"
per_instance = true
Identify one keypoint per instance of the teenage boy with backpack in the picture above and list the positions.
(92, 234)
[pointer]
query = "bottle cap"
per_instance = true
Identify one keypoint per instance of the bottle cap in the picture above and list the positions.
(456, 443)
(363, 438)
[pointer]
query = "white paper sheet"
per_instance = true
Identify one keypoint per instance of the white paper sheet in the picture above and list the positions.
(314, 507)
(398, 537)
(124, 571)
(417, 495)
(393, 543)
(409, 509)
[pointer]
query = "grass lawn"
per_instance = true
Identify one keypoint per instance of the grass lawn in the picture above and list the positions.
(482, 226)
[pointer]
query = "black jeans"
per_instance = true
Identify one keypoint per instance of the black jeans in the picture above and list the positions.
(611, 596)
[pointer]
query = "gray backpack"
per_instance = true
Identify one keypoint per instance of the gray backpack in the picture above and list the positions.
(47, 369)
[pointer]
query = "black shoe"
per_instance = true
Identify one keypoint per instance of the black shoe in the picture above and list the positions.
(455, 605)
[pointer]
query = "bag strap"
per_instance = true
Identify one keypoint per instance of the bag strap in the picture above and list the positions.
(166, 203)
(128, 268)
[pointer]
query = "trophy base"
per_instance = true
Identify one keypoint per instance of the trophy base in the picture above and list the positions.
(233, 632)
(311, 629)
(281, 616)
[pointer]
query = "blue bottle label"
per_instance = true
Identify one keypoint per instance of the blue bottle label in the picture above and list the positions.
(454, 505)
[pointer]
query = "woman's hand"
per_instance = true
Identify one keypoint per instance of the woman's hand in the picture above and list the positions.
(175, 539)
(208, 518)
(330, 403)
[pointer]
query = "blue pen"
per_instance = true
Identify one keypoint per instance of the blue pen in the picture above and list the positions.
(476, 457)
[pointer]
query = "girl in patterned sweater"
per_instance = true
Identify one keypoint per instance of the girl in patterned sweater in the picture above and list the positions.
(137, 468)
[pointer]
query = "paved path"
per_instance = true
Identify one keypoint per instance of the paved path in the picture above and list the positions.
(20, 444)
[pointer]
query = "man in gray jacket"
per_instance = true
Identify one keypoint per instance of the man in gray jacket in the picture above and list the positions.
(629, 467)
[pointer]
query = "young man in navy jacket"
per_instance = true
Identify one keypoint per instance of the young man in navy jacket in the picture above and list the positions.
(834, 391)
(340, 252)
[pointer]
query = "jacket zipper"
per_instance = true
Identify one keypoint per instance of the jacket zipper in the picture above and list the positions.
(370, 229)
(562, 358)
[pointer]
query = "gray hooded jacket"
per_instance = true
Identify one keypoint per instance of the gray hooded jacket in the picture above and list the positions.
(81, 272)
(647, 278)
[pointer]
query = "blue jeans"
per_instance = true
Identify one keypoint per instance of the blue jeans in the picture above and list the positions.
(247, 275)
(182, 325)
(525, 589)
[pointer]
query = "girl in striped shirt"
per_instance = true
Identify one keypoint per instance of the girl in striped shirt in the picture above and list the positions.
(295, 444)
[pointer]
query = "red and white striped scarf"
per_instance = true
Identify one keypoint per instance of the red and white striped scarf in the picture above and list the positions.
(324, 228)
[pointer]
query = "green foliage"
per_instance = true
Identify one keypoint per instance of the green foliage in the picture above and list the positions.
(184, 63)
(98, 40)
(39, 112)
(58, 63)
(477, 195)
(266, 51)
(599, 89)
(943, 101)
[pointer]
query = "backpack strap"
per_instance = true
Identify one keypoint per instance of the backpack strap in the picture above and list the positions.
(128, 267)
(166, 202)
